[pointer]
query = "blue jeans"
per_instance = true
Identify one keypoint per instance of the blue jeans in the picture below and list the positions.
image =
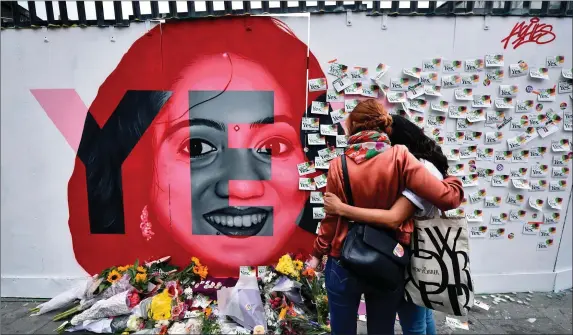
(416, 320)
(344, 290)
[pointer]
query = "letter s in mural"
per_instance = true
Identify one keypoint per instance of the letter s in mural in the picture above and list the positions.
(199, 123)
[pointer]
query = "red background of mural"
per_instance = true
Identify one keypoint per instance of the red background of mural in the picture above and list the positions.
(149, 65)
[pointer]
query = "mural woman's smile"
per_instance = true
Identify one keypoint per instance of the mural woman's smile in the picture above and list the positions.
(238, 221)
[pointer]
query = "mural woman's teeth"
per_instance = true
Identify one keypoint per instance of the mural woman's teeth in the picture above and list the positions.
(237, 220)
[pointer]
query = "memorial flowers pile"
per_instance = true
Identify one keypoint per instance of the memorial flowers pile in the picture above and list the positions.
(158, 298)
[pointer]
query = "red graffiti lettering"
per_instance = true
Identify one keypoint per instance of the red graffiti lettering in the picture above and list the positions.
(539, 33)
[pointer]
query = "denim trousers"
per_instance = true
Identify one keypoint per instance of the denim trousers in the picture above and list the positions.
(344, 291)
(416, 320)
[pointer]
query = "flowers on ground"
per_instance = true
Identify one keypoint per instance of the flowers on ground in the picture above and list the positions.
(113, 276)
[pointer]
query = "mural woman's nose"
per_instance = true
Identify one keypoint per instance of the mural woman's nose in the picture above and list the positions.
(244, 169)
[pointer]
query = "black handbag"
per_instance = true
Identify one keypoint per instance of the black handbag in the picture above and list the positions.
(373, 254)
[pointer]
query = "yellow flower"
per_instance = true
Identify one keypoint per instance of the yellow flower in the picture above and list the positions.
(140, 277)
(283, 313)
(122, 268)
(113, 276)
(298, 265)
(160, 308)
(196, 261)
(208, 311)
(141, 269)
(286, 266)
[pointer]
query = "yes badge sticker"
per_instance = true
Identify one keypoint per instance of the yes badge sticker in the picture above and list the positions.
(350, 104)
(434, 64)
(539, 185)
(552, 218)
(305, 168)
(531, 228)
(486, 174)
(504, 103)
(560, 172)
(520, 156)
(455, 213)
(306, 184)
(496, 234)
(329, 129)
(474, 65)
(517, 215)
(320, 181)
(341, 83)
(318, 213)
(465, 94)
(415, 91)
(341, 141)
(499, 218)
(554, 61)
(519, 173)
(452, 154)
(327, 154)
(536, 203)
(522, 184)
(399, 84)
(546, 94)
(316, 139)
(545, 245)
(476, 115)
(494, 60)
(472, 137)
(450, 81)
(539, 73)
(248, 271)
(555, 202)
(412, 72)
(560, 145)
(508, 90)
(451, 66)
(429, 78)
(499, 180)
(503, 156)
(457, 112)
(316, 197)
(481, 100)
(380, 71)
(562, 160)
(478, 196)
(396, 97)
(338, 115)
(439, 106)
(524, 106)
(359, 73)
(537, 152)
(455, 137)
(436, 121)
(518, 70)
(433, 90)
(354, 88)
(475, 216)
(493, 137)
(478, 232)
(463, 124)
(545, 231)
(315, 85)
(321, 163)
(469, 79)
(470, 180)
(564, 87)
(567, 73)
(310, 124)
(539, 170)
(333, 96)
(484, 154)
(496, 75)
(515, 199)
(557, 185)
(337, 69)
(318, 107)
(492, 202)
(468, 152)
(418, 105)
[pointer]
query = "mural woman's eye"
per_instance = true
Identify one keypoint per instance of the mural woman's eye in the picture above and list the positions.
(276, 145)
(196, 147)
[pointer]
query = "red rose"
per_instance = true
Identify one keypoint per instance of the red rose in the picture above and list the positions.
(133, 299)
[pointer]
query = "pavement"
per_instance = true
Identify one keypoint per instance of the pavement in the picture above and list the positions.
(538, 313)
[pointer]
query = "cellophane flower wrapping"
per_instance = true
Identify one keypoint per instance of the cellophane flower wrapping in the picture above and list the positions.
(66, 298)
(290, 288)
(244, 304)
(99, 326)
(113, 306)
(120, 286)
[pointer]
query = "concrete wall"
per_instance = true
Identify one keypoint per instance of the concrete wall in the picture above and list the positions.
(38, 257)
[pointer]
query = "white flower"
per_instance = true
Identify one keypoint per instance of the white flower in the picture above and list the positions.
(188, 292)
(161, 323)
(134, 323)
(178, 328)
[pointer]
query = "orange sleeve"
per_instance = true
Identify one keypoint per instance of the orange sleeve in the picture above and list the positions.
(445, 194)
(329, 225)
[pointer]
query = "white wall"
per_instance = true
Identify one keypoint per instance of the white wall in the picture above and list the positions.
(37, 256)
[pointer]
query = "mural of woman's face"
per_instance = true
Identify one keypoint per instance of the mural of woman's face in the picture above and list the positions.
(226, 181)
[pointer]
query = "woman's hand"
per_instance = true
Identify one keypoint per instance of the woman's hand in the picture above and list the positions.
(332, 204)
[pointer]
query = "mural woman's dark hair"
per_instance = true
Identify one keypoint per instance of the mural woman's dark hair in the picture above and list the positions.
(420, 145)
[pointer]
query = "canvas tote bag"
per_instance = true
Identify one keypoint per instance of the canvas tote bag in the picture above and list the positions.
(439, 273)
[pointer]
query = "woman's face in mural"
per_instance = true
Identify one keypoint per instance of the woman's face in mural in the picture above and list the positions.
(226, 178)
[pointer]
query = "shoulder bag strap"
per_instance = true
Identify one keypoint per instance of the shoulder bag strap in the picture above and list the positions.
(347, 188)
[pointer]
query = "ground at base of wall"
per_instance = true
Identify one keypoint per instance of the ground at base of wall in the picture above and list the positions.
(544, 313)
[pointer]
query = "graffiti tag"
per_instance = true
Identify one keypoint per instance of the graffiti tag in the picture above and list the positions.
(534, 32)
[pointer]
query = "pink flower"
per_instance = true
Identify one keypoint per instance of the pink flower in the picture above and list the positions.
(133, 299)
